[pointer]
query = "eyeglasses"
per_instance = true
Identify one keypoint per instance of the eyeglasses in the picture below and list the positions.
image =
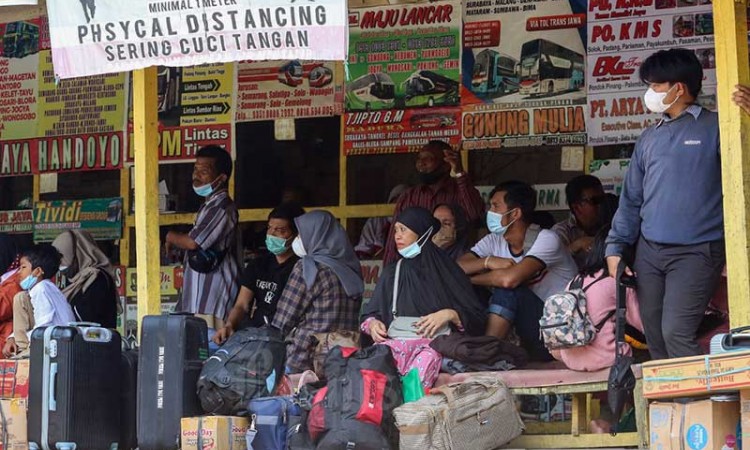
(593, 200)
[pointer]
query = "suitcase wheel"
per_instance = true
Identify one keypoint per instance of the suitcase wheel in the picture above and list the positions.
(65, 446)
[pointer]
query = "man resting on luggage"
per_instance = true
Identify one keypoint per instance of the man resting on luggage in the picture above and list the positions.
(41, 303)
(265, 278)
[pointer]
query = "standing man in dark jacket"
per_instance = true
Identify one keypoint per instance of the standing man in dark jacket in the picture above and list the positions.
(671, 207)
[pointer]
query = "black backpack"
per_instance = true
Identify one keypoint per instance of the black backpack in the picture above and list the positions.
(355, 409)
(249, 365)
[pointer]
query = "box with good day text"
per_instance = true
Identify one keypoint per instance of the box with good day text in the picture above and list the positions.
(697, 425)
(685, 377)
(214, 433)
(14, 424)
(14, 378)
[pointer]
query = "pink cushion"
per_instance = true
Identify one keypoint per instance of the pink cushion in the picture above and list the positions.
(531, 378)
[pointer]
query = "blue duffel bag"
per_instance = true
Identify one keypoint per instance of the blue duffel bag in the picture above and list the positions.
(273, 420)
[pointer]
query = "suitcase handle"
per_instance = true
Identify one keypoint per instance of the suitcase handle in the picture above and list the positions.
(84, 324)
(455, 390)
(52, 384)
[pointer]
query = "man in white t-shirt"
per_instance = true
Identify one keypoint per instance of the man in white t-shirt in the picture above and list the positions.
(521, 263)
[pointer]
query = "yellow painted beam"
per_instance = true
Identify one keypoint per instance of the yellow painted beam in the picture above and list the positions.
(146, 181)
(730, 37)
(260, 215)
(342, 170)
(558, 441)
(125, 194)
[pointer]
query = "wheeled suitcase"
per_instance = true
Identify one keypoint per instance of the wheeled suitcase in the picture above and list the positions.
(173, 350)
(129, 402)
(74, 395)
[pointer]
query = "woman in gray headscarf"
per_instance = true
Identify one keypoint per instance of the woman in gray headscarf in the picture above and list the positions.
(324, 290)
(90, 287)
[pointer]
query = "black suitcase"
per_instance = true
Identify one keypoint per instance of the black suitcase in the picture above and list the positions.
(129, 404)
(173, 349)
(74, 395)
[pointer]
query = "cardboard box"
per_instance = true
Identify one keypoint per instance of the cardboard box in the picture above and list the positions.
(685, 377)
(14, 412)
(699, 425)
(664, 422)
(14, 378)
(216, 433)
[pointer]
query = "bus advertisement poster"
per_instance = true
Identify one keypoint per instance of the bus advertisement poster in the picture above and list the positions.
(86, 105)
(179, 144)
(270, 90)
(19, 86)
(523, 64)
(404, 56)
(621, 35)
(400, 130)
(102, 217)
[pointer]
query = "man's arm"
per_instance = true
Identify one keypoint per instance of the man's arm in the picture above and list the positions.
(511, 277)
(241, 308)
(183, 241)
(469, 199)
(626, 225)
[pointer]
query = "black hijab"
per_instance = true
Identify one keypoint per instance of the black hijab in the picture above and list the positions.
(8, 252)
(428, 282)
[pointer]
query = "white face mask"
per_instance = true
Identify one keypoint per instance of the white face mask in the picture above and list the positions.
(298, 248)
(655, 100)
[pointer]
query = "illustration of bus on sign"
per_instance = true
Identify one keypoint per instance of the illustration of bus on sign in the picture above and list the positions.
(371, 91)
(291, 74)
(494, 74)
(427, 88)
(549, 69)
(20, 39)
(320, 76)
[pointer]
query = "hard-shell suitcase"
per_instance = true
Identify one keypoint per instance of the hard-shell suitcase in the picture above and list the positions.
(173, 350)
(129, 400)
(74, 395)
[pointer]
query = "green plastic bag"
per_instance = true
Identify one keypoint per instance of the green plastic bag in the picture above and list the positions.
(412, 386)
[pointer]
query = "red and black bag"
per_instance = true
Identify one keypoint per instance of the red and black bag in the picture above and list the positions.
(355, 408)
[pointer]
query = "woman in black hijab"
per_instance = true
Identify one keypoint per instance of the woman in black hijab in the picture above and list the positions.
(431, 288)
(8, 253)
(453, 235)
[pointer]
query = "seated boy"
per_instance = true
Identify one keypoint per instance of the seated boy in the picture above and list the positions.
(521, 263)
(41, 303)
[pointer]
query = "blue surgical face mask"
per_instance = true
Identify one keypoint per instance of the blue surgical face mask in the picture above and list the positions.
(205, 190)
(415, 248)
(495, 222)
(28, 282)
(276, 245)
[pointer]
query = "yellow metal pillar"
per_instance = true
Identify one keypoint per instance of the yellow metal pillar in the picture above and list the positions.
(125, 194)
(730, 36)
(146, 182)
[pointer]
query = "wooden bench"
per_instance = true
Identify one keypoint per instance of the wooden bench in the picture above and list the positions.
(581, 386)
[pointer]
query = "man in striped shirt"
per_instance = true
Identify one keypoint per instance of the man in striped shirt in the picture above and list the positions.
(443, 181)
(208, 292)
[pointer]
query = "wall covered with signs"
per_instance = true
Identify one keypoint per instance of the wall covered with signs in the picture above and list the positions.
(485, 74)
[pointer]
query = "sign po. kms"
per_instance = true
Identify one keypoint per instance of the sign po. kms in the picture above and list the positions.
(622, 33)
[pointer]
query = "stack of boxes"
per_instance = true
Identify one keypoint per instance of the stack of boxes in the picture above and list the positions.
(14, 393)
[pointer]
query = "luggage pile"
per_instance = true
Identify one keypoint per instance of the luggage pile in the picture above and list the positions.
(160, 396)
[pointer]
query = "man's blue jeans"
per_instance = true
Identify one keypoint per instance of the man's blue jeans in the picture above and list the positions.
(522, 308)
